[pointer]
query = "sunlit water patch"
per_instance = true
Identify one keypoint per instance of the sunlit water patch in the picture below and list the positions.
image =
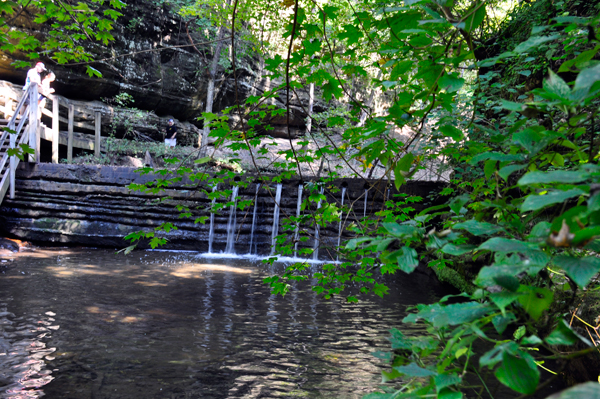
(95, 324)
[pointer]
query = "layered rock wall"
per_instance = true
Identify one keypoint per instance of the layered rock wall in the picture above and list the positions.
(92, 206)
(161, 59)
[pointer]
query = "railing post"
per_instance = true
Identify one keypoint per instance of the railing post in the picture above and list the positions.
(97, 138)
(55, 133)
(13, 160)
(8, 108)
(70, 136)
(33, 123)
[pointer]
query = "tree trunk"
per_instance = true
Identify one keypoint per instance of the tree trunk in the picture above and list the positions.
(311, 104)
(203, 140)
(368, 104)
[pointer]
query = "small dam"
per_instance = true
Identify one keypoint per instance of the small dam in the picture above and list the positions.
(92, 206)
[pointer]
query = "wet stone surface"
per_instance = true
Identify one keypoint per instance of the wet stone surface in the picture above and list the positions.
(94, 324)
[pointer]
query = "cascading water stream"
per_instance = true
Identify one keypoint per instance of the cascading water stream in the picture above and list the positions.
(340, 225)
(316, 244)
(366, 198)
(297, 230)
(211, 230)
(254, 221)
(276, 219)
(231, 223)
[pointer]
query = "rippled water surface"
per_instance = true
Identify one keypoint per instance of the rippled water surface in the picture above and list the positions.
(95, 324)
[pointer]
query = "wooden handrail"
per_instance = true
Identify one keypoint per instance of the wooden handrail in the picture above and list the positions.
(20, 132)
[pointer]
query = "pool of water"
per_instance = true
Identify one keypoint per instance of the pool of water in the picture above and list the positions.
(94, 324)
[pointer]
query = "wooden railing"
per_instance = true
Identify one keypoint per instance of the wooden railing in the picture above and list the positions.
(83, 122)
(19, 130)
(24, 126)
(70, 138)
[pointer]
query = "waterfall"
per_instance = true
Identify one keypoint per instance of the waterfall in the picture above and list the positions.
(316, 244)
(211, 231)
(366, 198)
(340, 225)
(254, 220)
(230, 248)
(275, 219)
(297, 230)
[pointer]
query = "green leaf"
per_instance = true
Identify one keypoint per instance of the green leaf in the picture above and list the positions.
(352, 33)
(512, 106)
(405, 163)
(331, 88)
(518, 373)
(496, 156)
(534, 43)
(535, 300)
(203, 160)
(531, 139)
(400, 230)
(582, 58)
(506, 171)
(556, 176)
(494, 355)
(500, 322)
(581, 270)
(556, 85)
(413, 370)
(389, 375)
(491, 275)
(446, 380)
(507, 245)
(586, 79)
(451, 83)
(489, 168)
(508, 281)
(520, 333)
(400, 69)
(408, 259)
(93, 72)
(585, 235)
(562, 335)
(504, 299)
(383, 244)
(574, 217)
(535, 202)
(587, 390)
(127, 250)
(478, 228)
(457, 250)
(398, 340)
(452, 132)
(540, 230)
(531, 340)
(457, 203)
(430, 74)
(353, 243)
(449, 394)
(476, 15)
(455, 314)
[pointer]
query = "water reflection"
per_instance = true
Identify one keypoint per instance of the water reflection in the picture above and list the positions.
(172, 325)
(23, 354)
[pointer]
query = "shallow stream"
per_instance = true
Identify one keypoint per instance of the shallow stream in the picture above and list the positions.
(94, 324)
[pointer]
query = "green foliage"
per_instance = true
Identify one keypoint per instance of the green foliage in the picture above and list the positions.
(122, 100)
(69, 24)
(523, 201)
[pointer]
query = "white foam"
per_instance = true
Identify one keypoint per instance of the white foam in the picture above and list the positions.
(280, 259)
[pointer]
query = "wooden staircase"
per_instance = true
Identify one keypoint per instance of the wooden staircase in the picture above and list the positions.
(76, 115)
(13, 133)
